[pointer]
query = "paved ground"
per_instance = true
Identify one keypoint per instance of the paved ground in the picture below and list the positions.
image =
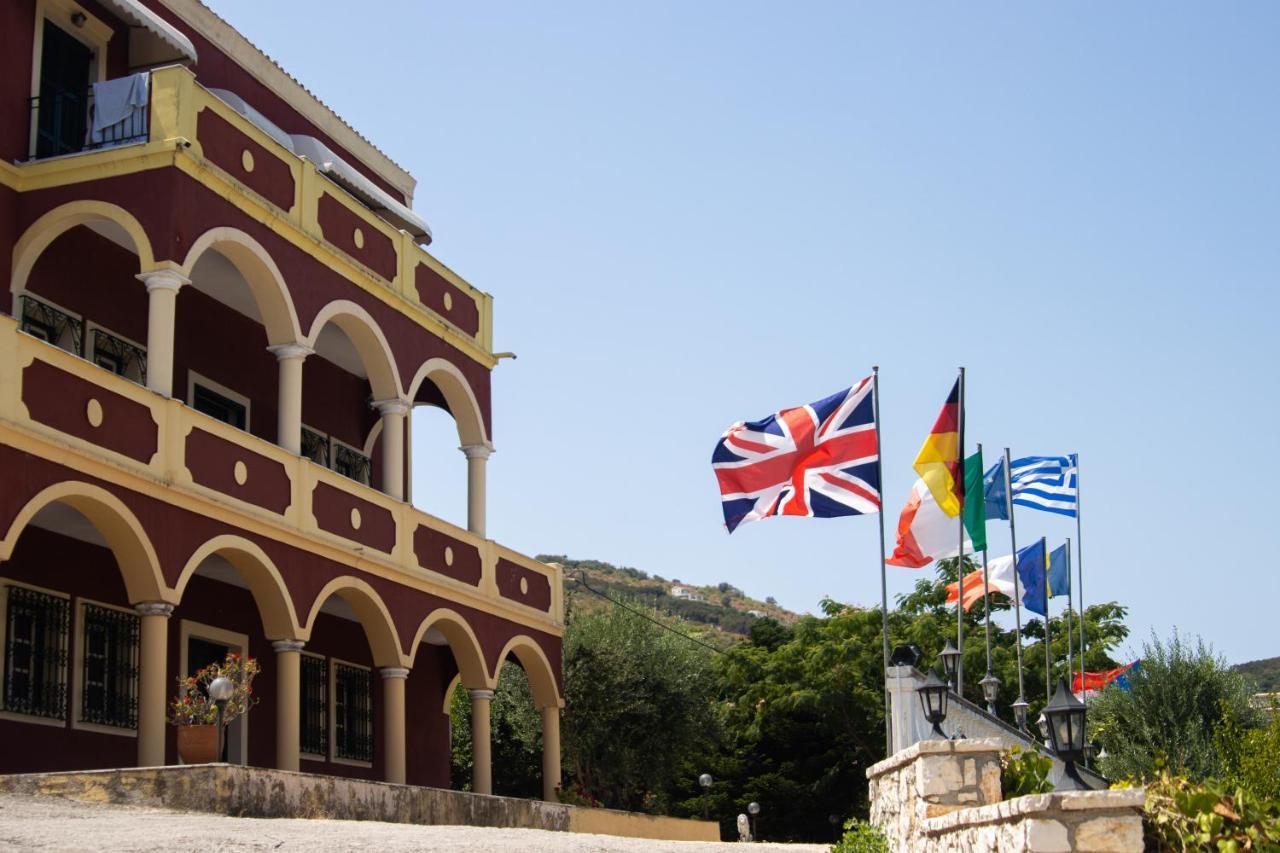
(54, 824)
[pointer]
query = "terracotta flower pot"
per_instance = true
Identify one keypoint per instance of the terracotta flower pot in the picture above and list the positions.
(198, 744)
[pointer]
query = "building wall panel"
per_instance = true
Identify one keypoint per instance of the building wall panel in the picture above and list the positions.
(262, 171)
(77, 407)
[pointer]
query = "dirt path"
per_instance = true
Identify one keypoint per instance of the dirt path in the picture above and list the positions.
(54, 824)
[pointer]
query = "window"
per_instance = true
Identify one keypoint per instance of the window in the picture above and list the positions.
(314, 730)
(352, 713)
(42, 320)
(121, 357)
(350, 462)
(109, 690)
(218, 402)
(35, 653)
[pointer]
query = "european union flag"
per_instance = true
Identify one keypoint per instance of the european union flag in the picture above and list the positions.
(1032, 576)
(995, 492)
(1059, 573)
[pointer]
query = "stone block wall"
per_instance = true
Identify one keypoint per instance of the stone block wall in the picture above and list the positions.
(946, 795)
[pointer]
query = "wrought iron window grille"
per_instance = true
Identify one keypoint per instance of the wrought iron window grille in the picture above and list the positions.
(47, 323)
(35, 657)
(109, 693)
(314, 730)
(119, 356)
(315, 447)
(351, 463)
(352, 713)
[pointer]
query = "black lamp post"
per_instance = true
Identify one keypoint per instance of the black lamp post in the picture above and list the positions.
(1020, 712)
(990, 691)
(933, 698)
(834, 820)
(705, 781)
(950, 662)
(753, 809)
(220, 690)
(1065, 718)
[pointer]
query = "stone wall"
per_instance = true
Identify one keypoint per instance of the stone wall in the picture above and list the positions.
(946, 795)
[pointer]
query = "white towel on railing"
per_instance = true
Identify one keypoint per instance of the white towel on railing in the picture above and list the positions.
(116, 102)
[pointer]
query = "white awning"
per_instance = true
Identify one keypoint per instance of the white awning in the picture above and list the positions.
(140, 16)
(263, 123)
(346, 176)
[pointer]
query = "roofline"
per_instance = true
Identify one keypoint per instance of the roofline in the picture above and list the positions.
(274, 77)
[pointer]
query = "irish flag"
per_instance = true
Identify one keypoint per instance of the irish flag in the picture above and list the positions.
(925, 532)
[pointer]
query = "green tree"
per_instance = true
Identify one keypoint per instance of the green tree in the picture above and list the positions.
(1176, 700)
(515, 737)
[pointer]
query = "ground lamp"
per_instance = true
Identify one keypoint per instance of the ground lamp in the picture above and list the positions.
(753, 809)
(220, 690)
(1020, 712)
(705, 781)
(933, 698)
(1064, 718)
(950, 663)
(990, 691)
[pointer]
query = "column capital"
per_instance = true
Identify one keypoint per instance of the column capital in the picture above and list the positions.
(166, 279)
(481, 694)
(477, 451)
(154, 608)
(283, 352)
(394, 672)
(281, 646)
(393, 406)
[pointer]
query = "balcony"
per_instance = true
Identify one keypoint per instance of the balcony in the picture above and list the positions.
(190, 128)
(123, 433)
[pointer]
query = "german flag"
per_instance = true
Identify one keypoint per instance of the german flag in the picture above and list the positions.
(938, 462)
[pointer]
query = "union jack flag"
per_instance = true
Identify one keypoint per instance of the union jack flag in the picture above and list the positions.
(818, 461)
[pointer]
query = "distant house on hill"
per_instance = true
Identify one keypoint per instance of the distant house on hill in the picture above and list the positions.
(687, 593)
(759, 614)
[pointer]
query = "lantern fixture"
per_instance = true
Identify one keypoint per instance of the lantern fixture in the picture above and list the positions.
(1065, 721)
(990, 690)
(1020, 712)
(933, 699)
(950, 662)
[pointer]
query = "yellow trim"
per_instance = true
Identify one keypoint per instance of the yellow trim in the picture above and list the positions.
(333, 758)
(447, 707)
(165, 478)
(234, 641)
(77, 669)
(270, 593)
(369, 341)
(14, 716)
(533, 660)
(463, 644)
(258, 269)
(458, 393)
(375, 618)
(52, 225)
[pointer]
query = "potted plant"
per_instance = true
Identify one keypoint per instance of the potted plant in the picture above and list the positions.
(196, 715)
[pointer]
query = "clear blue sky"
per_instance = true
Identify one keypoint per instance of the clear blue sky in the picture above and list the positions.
(695, 213)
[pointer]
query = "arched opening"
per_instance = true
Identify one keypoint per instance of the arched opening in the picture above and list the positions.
(75, 561)
(236, 306)
(350, 638)
(351, 368)
(445, 418)
(448, 663)
(107, 323)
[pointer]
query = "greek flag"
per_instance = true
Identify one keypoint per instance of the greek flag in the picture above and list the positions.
(1046, 482)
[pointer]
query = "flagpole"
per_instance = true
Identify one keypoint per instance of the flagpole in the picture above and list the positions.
(1048, 675)
(986, 587)
(1071, 672)
(960, 553)
(884, 586)
(1080, 572)
(1017, 594)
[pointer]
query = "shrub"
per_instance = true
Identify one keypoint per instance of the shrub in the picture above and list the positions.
(861, 837)
(1182, 815)
(1024, 772)
(192, 705)
(1250, 757)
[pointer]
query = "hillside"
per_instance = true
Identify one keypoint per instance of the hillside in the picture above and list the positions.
(1265, 672)
(723, 616)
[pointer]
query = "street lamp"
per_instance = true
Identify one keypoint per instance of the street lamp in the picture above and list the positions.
(705, 781)
(1065, 718)
(990, 691)
(220, 690)
(950, 662)
(933, 698)
(753, 809)
(834, 820)
(1020, 712)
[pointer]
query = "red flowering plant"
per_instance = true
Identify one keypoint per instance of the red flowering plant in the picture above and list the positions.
(192, 705)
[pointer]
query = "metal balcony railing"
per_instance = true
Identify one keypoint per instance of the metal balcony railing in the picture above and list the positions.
(63, 122)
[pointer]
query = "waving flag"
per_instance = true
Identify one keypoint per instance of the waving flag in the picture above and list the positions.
(925, 533)
(1059, 573)
(1002, 578)
(1099, 680)
(1046, 482)
(975, 515)
(938, 462)
(995, 493)
(1032, 562)
(817, 461)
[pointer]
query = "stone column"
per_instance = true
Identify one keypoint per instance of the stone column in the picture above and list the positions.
(393, 412)
(477, 459)
(289, 405)
(288, 702)
(550, 753)
(393, 681)
(481, 756)
(162, 307)
(153, 655)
